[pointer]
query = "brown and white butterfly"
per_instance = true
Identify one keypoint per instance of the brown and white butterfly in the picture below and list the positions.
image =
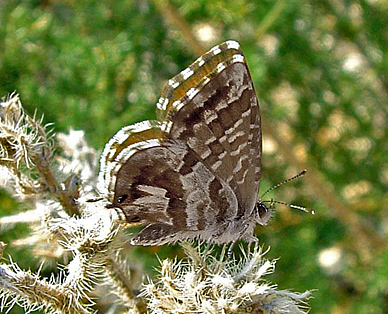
(194, 173)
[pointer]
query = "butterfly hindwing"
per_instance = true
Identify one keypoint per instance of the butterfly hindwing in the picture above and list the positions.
(150, 190)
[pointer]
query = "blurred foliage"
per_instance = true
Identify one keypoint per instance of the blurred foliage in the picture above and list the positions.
(320, 69)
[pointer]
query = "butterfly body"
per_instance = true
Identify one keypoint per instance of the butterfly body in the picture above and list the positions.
(194, 172)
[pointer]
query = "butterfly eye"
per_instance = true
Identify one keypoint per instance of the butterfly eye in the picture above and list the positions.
(264, 214)
(122, 198)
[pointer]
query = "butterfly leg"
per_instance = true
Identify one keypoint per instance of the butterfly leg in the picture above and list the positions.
(249, 246)
(230, 249)
(208, 247)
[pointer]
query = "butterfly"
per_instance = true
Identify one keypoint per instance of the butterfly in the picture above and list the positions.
(193, 173)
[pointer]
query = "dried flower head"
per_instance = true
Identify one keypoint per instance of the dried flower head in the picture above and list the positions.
(206, 284)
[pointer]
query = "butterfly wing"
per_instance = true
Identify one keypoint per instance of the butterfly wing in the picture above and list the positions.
(219, 120)
(196, 171)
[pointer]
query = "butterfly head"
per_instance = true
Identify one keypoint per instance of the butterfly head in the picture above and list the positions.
(262, 210)
(263, 213)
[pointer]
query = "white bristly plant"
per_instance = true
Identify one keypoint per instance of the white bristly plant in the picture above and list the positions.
(71, 228)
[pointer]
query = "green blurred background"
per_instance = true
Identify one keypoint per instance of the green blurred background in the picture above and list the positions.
(320, 69)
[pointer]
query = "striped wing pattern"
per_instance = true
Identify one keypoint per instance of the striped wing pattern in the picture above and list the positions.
(194, 172)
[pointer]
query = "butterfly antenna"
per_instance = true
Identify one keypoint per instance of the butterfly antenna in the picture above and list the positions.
(307, 210)
(301, 174)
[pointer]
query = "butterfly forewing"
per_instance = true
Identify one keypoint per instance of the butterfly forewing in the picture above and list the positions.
(213, 109)
(217, 126)
(195, 173)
